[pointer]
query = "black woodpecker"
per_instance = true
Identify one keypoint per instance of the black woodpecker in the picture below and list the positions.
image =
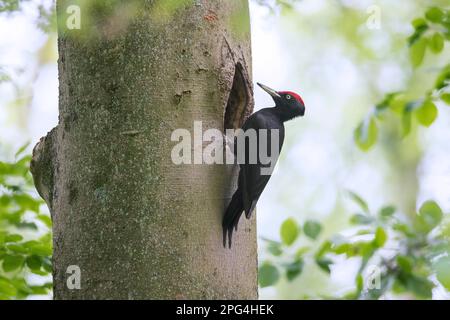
(252, 180)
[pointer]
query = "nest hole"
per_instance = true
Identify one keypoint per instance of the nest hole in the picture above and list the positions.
(237, 101)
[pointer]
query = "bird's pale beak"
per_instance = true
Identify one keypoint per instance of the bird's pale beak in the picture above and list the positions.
(270, 91)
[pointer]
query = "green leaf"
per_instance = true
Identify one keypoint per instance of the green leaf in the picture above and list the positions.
(431, 214)
(289, 231)
(359, 201)
(446, 98)
(39, 248)
(294, 269)
(407, 119)
(442, 269)
(7, 288)
(312, 229)
(346, 248)
(436, 42)
(13, 238)
(47, 264)
(443, 78)
(435, 15)
(380, 237)
(301, 251)
(403, 228)
(27, 225)
(386, 102)
(268, 275)
(427, 113)
(398, 287)
(405, 263)
(359, 282)
(39, 289)
(420, 286)
(11, 263)
(34, 262)
(363, 232)
(366, 134)
(27, 202)
(22, 149)
(387, 211)
(274, 248)
(398, 103)
(366, 249)
(417, 51)
(324, 264)
(418, 22)
(324, 248)
(440, 248)
(361, 219)
(17, 248)
(39, 272)
(420, 26)
(45, 219)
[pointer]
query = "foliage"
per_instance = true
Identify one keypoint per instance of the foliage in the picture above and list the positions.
(289, 231)
(273, 5)
(430, 34)
(10, 5)
(407, 251)
(398, 253)
(46, 19)
(25, 239)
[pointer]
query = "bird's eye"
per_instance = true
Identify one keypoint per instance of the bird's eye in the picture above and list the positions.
(288, 97)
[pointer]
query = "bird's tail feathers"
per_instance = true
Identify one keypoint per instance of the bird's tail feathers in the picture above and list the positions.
(231, 217)
(248, 214)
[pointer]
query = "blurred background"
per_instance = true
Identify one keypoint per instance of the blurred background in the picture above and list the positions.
(357, 207)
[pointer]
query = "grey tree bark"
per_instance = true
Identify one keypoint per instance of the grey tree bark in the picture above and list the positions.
(137, 225)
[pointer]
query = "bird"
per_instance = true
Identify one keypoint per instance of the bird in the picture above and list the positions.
(251, 181)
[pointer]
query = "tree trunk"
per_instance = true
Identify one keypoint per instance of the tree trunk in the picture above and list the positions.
(137, 225)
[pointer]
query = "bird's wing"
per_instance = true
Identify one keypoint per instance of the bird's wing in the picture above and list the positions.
(252, 181)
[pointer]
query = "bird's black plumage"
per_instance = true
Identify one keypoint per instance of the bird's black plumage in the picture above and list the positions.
(251, 181)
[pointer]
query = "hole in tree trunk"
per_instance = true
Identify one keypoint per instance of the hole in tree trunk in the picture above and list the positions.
(237, 101)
